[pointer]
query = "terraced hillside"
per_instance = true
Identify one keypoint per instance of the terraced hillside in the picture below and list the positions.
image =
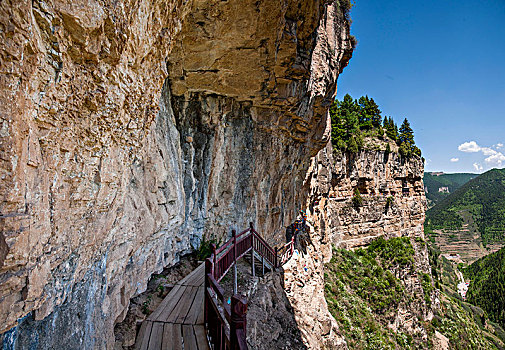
(471, 221)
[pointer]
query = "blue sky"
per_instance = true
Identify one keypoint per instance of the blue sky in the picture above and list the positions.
(441, 64)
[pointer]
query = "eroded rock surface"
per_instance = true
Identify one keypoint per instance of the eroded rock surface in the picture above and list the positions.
(128, 129)
(392, 190)
(336, 221)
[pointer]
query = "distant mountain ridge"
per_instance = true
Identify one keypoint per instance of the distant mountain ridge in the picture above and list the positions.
(483, 198)
(439, 185)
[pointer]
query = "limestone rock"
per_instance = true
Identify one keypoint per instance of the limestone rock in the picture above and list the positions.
(130, 129)
(393, 206)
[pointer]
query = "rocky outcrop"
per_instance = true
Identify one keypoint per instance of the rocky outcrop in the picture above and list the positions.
(393, 206)
(128, 130)
(391, 187)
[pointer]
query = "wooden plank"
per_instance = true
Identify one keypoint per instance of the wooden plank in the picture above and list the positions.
(196, 307)
(172, 337)
(201, 315)
(189, 337)
(201, 279)
(168, 336)
(155, 315)
(143, 337)
(181, 310)
(197, 274)
(193, 279)
(156, 336)
(187, 307)
(174, 301)
(201, 337)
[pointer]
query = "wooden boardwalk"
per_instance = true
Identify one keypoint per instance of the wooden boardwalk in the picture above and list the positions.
(177, 323)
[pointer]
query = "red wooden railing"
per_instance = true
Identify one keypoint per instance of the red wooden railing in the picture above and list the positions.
(287, 251)
(226, 325)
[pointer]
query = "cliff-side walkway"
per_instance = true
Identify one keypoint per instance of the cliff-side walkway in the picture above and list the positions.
(177, 323)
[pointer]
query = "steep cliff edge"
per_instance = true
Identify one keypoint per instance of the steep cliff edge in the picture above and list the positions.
(128, 130)
(391, 187)
(393, 206)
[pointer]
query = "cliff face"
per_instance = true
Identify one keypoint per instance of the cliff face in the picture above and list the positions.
(130, 130)
(392, 190)
(335, 221)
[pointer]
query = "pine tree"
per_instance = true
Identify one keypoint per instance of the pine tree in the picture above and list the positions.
(406, 134)
(344, 124)
(406, 140)
(391, 129)
(375, 113)
(369, 113)
(365, 121)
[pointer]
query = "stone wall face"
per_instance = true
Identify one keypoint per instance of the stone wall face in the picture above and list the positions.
(130, 129)
(392, 190)
(335, 221)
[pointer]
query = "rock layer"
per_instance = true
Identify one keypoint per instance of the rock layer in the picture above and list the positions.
(391, 188)
(131, 129)
(336, 221)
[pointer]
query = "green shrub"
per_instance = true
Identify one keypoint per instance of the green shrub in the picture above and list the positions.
(361, 290)
(357, 200)
(427, 287)
(145, 305)
(205, 249)
(389, 201)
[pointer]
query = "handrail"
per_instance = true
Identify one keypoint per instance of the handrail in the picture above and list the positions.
(263, 241)
(226, 325)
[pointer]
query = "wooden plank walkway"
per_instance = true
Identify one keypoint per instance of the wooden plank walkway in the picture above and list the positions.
(177, 323)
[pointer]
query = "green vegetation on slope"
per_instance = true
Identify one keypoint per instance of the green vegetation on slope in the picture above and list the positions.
(352, 120)
(366, 288)
(451, 181)
(482, 197)
(467, 326)
(363, 293)
(487, 286)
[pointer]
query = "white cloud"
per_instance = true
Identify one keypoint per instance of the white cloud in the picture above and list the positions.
(469, 147)
(454, 160)
(495, 159)
(488, 151)
(477, 167)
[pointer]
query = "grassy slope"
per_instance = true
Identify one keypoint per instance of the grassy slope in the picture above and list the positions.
(487, 287)
(482, 197)
(364, 294)
(466, 325)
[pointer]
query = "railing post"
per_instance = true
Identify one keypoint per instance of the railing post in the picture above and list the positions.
(238, 319)
(208, 270)
(235, 287)
(214, 265)
(275, 262)
(252, 255)
(251, 227)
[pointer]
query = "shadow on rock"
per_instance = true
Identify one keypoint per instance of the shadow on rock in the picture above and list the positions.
(271, 322)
